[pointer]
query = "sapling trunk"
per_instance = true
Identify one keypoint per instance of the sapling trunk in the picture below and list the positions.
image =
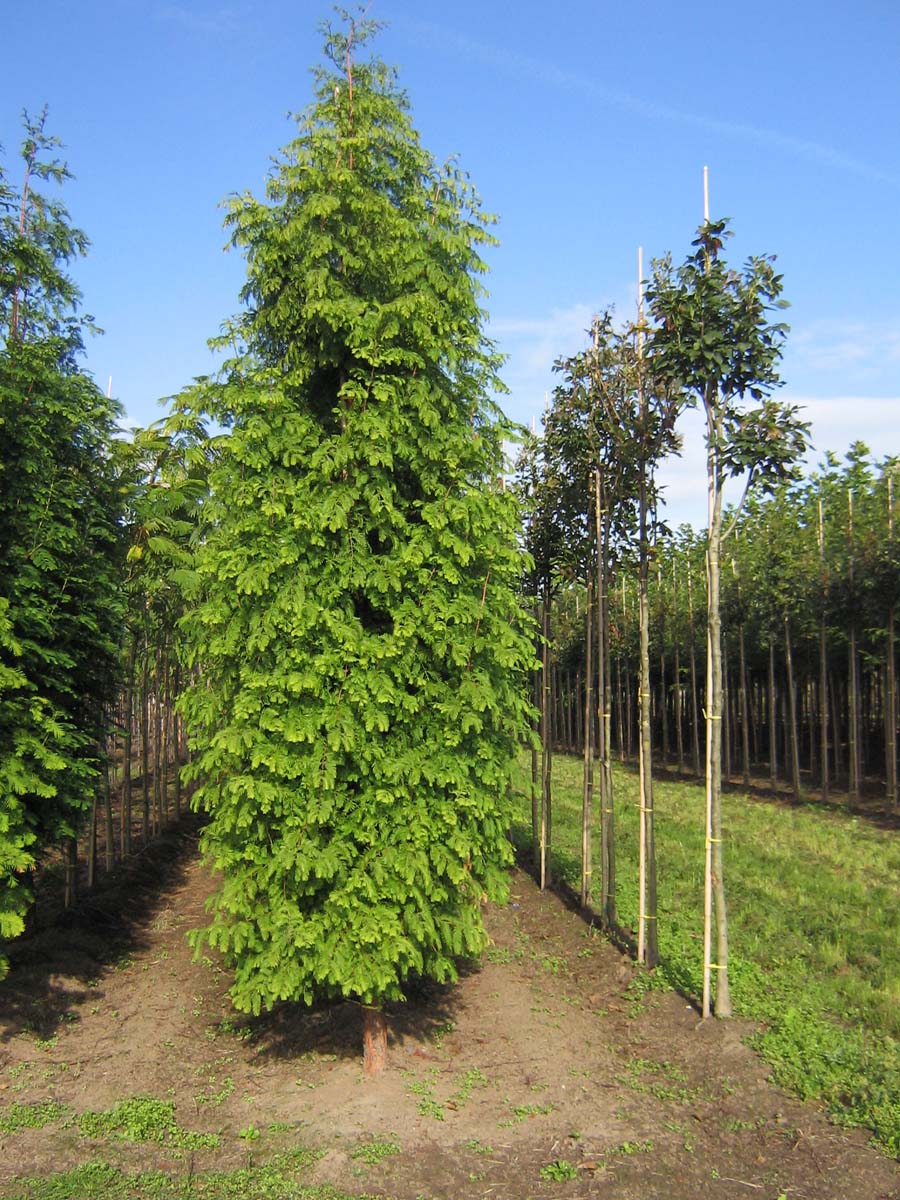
(773, 724)
(374, 1040)
(792, 709)
(587, 798)
(546, 740)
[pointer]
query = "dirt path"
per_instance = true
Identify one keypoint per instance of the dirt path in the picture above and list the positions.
(547, 1057)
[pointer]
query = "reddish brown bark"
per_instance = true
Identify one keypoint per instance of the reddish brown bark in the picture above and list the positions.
(374, 1040)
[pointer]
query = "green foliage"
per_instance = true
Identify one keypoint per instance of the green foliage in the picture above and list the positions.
(60, 540)
(354, 620)
(713, 339)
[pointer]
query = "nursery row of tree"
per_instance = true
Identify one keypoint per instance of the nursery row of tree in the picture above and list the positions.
(809, 598)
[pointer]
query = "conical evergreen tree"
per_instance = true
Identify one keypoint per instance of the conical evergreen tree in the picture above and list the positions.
(360, 643)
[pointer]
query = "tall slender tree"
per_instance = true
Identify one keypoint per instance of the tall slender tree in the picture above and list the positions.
(713, 338)
(356, 618)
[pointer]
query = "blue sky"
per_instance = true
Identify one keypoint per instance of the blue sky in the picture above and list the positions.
(585, 126)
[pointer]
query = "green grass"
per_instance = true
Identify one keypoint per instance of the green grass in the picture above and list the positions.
(31, 1116)
(814, 926)
(144, 1119)
(276, 1180)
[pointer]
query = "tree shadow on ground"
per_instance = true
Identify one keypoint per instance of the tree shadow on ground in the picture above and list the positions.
(57, 968)
(334, 1028)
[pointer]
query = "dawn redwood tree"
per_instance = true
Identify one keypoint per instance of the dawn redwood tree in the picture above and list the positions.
(355, 627)
(714, 339)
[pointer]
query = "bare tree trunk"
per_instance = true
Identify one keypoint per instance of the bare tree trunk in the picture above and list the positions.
(853, 717)
(145, 745)
(773, 725)
(92, 844)
(890, 688)
(546, 739)
(71, 884)
(176, 744)
(823, 711)
(792, 708)
(715, 875)
(109, 835)
(607, 815)
(536, 784)
(647, 942)
(374, 1040)
(745, 710)
(679, 715)
(695, 708)
(127, 739)
(587, 796)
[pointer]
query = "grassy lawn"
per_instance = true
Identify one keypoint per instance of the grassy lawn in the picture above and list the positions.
(814, 925)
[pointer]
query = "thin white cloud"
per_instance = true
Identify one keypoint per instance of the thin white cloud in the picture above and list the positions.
(839, 344)
(524, 66)
(532, 344)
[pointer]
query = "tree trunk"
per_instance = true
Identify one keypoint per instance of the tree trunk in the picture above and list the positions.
(647, 941)
(109, 836)
(695, 707)
(71, 884)
(145, 746)
(587, 796)
(127, 739)
(546, 739)
(607, 822)
(745, 711)
(792, 709)
(715, 875)
(823, 712)
(92, 844)
(374, 1040)
(853, 717)
(773, 725)
(536, 803)
(890, 704)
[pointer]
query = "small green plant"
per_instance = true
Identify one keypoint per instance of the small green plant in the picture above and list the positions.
(215, 1098)
(250, 1134)
(500, 955)
(467, 1083)
(634, 1147)
(478, 1147)
(31, 1116)
(144, 1119)
(521, 1112)
(372, 1153)
(441, 1032)
(558, 1170)
(553, 964)
(243, 1033)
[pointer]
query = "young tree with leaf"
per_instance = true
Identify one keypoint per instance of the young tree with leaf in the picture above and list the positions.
(356, 621)
(714, 339)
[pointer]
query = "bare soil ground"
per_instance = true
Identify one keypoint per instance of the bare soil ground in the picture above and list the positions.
(545, 1053)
